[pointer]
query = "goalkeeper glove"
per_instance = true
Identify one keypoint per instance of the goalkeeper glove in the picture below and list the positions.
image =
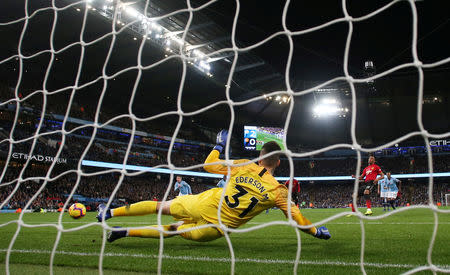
(221, 140)
(322, 233)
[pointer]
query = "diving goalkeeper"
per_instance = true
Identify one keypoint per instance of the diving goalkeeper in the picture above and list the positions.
(251, 190)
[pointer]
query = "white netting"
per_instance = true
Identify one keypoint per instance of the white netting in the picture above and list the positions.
(104, 79)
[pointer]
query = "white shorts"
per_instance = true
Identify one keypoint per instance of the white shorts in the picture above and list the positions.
(392, 194)
(384, 194)
(180, 194)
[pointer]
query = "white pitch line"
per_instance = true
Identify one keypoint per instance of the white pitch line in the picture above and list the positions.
(150, 222)
(225, 260)
(365, 222)
(389, 223)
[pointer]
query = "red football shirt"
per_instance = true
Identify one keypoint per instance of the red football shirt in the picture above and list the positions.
(371, 172)
(295, 186)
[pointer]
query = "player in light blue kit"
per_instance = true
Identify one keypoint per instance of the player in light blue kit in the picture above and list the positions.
(383, 190)
(394, 187)
(183, 187)
(222, 182)
(391, 188)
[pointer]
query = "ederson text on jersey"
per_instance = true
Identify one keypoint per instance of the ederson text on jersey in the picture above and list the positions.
(251, 190)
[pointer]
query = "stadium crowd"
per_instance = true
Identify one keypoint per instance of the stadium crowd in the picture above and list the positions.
(338, 195)
(346, 166)
(96, 189)
(111, 146)
(91, 190)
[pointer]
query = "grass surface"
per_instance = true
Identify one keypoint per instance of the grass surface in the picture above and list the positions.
(394, 245)
(265, 137)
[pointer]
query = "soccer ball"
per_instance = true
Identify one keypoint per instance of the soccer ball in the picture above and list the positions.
(77, 210)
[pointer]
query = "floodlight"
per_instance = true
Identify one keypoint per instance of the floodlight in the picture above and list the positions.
(325, 110)
(191, 47)
(132, 12)
(199, 53)
(156, 27)
(329, 101)
(177, 40)
(204, 65)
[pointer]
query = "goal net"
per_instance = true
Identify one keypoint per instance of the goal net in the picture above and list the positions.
(54, 139)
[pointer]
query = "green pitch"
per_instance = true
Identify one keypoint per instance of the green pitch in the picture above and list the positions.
(262, 136)
(393, 245)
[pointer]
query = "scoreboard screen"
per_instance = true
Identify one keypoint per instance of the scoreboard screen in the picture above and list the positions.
(256, 136)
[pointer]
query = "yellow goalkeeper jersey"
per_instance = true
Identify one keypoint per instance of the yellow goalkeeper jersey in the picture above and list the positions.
(251, 190)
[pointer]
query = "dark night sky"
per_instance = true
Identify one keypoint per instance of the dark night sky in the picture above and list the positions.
(384, 38)
(318, 56)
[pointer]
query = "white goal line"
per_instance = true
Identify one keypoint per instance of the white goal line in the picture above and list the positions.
(223, 260)
(338, 223)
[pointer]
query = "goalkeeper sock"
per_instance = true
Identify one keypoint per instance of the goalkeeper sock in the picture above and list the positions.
(368, 204)
(150, 233)
(353, 208)
(135, 209)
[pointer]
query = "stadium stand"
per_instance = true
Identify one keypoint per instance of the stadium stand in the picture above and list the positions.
(110, 145)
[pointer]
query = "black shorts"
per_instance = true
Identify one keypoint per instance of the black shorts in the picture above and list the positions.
(295, 196)
(368, 185)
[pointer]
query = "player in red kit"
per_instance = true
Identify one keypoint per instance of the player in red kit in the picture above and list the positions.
(295, 189)
(369, 174)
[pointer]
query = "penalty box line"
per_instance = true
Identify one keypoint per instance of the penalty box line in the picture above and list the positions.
(223, 260)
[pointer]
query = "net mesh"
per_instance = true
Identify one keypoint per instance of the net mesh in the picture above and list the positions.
(104, 79)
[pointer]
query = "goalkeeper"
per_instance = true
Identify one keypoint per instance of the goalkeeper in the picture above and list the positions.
(251, 190)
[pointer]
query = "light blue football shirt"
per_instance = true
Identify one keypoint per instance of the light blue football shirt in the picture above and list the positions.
(184, 188)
